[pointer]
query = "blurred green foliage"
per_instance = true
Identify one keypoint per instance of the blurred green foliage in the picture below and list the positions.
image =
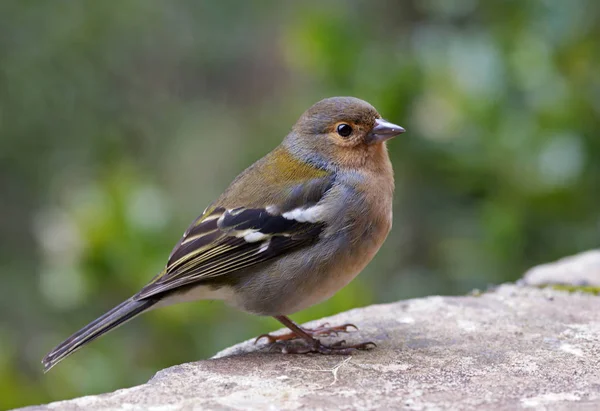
(121, 121)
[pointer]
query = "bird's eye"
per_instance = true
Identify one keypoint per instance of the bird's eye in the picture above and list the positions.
(344, 130)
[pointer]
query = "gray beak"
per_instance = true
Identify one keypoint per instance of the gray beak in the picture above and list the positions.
(383, 131)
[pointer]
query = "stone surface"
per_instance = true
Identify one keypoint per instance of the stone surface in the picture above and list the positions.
(578, 270)
(512, 348)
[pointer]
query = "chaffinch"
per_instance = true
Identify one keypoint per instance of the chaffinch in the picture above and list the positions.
(289, 232)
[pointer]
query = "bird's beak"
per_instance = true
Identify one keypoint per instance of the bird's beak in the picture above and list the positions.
(383, 131)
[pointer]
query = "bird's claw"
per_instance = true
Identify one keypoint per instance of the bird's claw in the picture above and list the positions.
(270, 339)
(324, 330)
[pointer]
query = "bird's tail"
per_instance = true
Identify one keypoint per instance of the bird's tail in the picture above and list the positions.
(112, 319)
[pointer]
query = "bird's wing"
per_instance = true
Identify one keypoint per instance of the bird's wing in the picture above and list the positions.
(224, 240)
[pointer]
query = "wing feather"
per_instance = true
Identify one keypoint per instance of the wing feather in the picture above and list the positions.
(223, 240)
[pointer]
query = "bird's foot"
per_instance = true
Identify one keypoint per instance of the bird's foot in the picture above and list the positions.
(321, 331)
(315, 346)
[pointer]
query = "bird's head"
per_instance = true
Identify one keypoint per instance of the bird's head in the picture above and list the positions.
(344, 131)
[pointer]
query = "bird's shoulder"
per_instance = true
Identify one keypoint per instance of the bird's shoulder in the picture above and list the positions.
(275, 179)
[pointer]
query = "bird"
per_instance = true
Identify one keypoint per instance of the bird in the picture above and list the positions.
(289, 232)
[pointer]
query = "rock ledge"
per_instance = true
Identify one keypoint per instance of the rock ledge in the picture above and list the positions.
(513, 348)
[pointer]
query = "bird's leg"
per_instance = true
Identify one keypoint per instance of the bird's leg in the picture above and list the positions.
(314, 345)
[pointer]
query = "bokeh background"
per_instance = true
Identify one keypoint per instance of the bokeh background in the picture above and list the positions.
(120, 121)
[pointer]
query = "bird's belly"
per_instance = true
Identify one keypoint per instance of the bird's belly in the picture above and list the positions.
(297, 281)
(327, 284)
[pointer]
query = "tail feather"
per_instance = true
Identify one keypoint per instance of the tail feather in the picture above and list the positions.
(112, 319)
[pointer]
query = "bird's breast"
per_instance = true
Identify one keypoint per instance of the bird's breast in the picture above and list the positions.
(358, 223)
(357, 231)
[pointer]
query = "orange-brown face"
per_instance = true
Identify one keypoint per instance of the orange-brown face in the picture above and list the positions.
(349, 133)
(340, 128)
